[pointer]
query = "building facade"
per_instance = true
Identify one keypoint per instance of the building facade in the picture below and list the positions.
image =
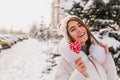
(56, 16)
(56, 13)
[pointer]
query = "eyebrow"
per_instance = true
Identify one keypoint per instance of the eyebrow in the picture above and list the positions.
(71, 27)
(74, 26)
(79, 23)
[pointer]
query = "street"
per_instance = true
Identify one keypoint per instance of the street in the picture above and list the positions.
(24, 61)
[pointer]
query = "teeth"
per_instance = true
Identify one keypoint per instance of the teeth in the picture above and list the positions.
(81, 34)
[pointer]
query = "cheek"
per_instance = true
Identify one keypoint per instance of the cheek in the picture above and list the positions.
(73, 36)
(84, 38)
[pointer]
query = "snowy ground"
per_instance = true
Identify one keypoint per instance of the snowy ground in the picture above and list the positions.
(33, 60)
(25, 61)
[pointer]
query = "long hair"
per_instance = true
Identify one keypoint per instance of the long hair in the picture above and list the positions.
(91, 38)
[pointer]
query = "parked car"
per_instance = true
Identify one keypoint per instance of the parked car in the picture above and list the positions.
(4, 45)
(0, 48)
(10, 42)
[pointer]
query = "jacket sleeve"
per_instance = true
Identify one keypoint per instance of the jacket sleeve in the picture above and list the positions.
(64, 71)
(110, 68)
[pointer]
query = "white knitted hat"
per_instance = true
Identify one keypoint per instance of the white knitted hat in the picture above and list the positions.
(63, 26)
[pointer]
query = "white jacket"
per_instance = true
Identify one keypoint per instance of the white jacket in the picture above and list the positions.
(100, 67)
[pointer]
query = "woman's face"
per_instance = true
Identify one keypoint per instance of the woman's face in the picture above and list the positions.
(77, 31)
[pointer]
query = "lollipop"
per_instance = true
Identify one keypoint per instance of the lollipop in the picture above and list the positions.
(76, 47)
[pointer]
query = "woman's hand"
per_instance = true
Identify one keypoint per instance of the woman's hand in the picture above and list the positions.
(80, 66)
(104, 46)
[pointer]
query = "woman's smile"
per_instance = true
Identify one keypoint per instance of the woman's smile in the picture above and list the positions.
(81, 35)
(77, 31)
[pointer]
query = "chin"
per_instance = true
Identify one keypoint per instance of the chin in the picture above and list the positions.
(84, 39)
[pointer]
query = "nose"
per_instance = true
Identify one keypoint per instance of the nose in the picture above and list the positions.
(79, 30)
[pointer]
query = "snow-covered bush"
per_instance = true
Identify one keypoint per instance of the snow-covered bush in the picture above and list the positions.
(112, 40)
(95, 13)
(52, 57)
(41, 35)
(104, 35)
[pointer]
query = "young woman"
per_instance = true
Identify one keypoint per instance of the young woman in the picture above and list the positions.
(93, 62)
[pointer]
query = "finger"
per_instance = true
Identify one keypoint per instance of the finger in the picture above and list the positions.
(76, 61)
(85, 74)
(101, 44)
(107, 50)
(79, 62)
(81, 66)
(104, 46)
(82, 69)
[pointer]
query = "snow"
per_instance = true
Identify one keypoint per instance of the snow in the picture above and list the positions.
(25, 61)
(106, 1)
(109, 41)
(89, 3)
(67, 6)
(33, 59)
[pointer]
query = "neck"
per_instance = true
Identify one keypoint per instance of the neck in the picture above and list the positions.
(83, 43)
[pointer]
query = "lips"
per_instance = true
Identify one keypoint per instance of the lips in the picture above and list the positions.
(82, 34)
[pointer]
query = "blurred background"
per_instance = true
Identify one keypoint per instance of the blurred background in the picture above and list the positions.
(29, 36)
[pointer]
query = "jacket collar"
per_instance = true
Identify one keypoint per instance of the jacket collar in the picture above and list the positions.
(96, 52)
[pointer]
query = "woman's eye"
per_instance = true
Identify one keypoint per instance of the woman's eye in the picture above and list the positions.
(79, 25)
(72, 30)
